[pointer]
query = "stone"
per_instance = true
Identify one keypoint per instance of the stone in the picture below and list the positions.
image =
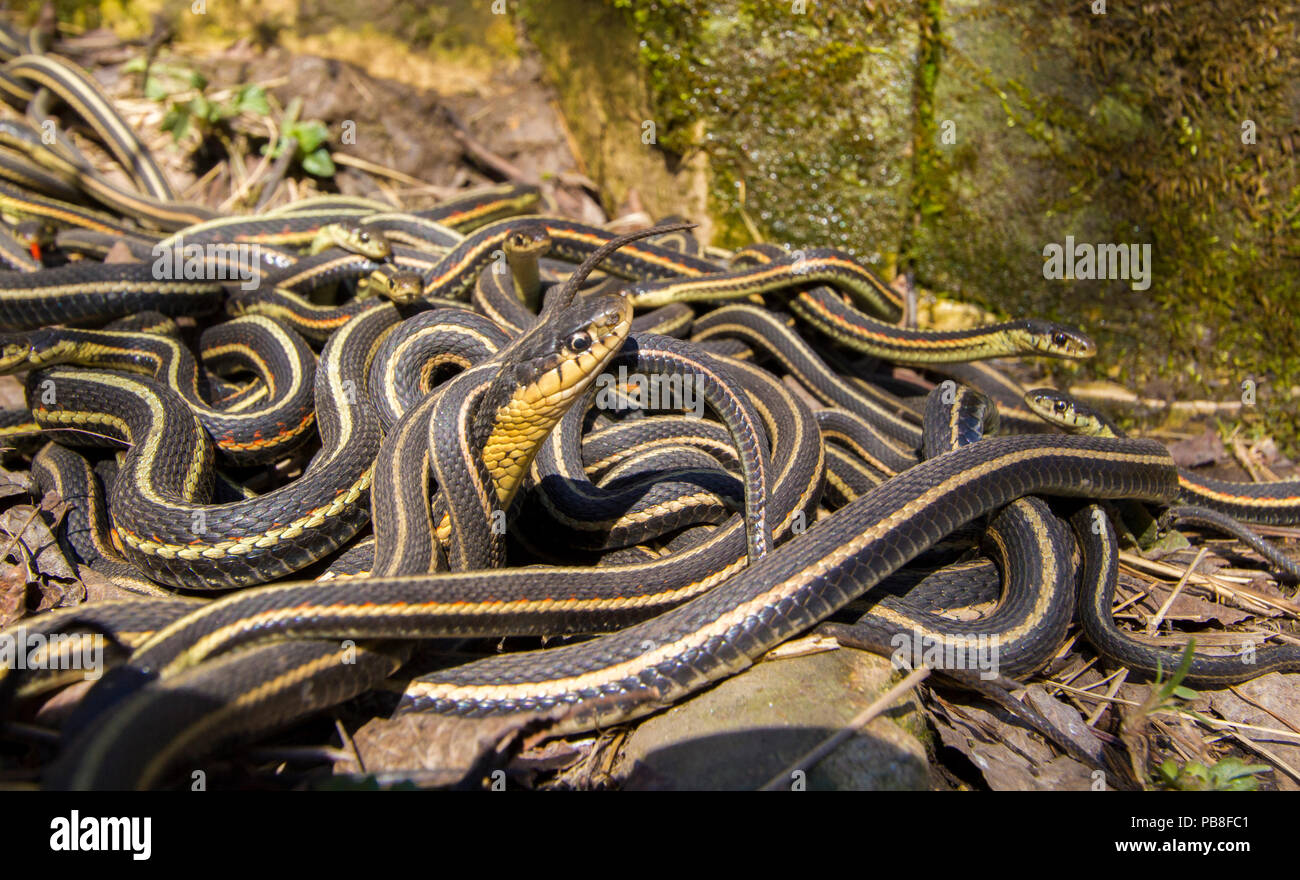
(752, 726)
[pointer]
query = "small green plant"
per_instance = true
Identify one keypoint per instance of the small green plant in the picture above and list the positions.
(191, 109)
(310, 150)
(1230, 774)
(195, 111)
(1164, 694)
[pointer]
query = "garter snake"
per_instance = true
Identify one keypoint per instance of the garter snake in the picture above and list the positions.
(607, 518)
(161, 517)
(523, 391)
(21, 203)
(848, 477)
(334, 266)
(88, 531)
(395, 284)
(458, 271)
(766, 332)
(607, 448)
(1226, 502)
(524, 249)
(1205, 518)
(813, 266)
(85, 291)
(615, 595)
(78, 90)
(12, 42)
(121, 625)
(474, 435)
(19, 251)
(23, 173)
(857, 435)
(466, 212)
(315, 322)
(512, 298)
(525, 385)
(850, 327)
(24, 140)
(1152, 656)
(635, 670)
(1275, 503)
(460, 213)
(252, 435)
(823, 309)
(453, 276)
(1031, 547)
(74, 172)
(693, 606)
(420, 349)
(411, 230)
(319, 228)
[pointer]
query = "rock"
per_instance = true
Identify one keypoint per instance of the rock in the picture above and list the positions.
(962, 138)
(607, 109)
(752, 726)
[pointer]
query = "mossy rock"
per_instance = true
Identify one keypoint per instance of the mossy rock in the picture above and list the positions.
(961, 137)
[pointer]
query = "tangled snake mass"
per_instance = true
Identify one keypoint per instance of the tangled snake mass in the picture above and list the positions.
(489, 461)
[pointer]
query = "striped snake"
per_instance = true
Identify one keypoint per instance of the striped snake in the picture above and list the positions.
(469, 448)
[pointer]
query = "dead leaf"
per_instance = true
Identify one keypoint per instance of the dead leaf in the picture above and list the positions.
(1278, 693)
(1207, 448)
(16, 483)
(120, 253)
(1191, 609)
(12, 393)
(1007, 756)
(99, 587)
(13, 594)
(1067, 720)
(32, 532)
(437, 750)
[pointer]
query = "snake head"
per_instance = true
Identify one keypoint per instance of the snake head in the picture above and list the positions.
(353, 237)
(561, 356)
(543, 373)
(527, 239)
(31, 351)
(38, 235)
(1055, 340)
(1064, 411)
(15, 352)
(402, 286)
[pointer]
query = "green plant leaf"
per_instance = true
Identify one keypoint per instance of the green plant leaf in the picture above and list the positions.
(310, 135)
(319, 163)
(177, 121)
(1233, 774)
(200, 108)
(155, 89)
(252, 99)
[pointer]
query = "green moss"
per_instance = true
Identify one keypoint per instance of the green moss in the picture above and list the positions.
(1151, 145)
(820, 128)
(793, 111)
(930, 185)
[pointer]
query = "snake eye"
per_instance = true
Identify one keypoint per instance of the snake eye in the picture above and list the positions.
(580, 341)
(1060, 407)
(1059, 339)
(363, 236)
